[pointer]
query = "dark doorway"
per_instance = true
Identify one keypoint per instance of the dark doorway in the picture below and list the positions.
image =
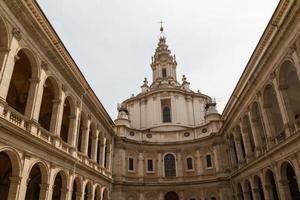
(171, 196)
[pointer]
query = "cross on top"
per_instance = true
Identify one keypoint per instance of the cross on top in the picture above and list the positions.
(161, 26)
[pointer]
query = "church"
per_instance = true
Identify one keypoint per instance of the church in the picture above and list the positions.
(168, 142)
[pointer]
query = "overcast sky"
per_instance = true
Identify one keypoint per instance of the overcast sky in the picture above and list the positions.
(112, 41)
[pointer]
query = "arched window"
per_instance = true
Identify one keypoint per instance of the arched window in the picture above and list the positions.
(170, 167)
(189, 163)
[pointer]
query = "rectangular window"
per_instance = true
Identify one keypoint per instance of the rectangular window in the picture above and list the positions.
(189, 162)
(150, 165)
(130, 164)
(208, 161)
(164, 73)
(166, 110)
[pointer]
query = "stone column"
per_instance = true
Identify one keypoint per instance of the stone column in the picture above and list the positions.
(159, 165)
(102, 151)
(7, 68)
(14, 188)
(256, 195)
(54, 125)
(280, 184)
(74, 137)
(296, 169)
(141, 197)
(282, 107)
(44, 191)
(247, 145)
(108, 156)
(238, 146)
(38, 102)
(140, 166)
(32, 97)
(79, 195)
(179, 164)
(72, 133)
(57, 114)
(232, 156)
(216, 157)
(199, 163)
(24, 177)
(95, 145)
(267, 190)
(85, 138)
(265, 121)
(256, 136)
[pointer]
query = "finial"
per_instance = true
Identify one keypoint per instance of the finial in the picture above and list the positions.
(145, 81)
(161, 26)
(183, 78)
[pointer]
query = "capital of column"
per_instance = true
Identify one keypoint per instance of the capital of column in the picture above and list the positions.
(44, 186)
(34, 80)
(56, 101)
(4, 49)
(284, 182)
(15, 179)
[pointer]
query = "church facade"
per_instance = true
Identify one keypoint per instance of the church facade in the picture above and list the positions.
(168, 142)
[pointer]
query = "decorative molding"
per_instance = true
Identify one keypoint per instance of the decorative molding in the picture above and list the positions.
(16, 33)
(44, 66)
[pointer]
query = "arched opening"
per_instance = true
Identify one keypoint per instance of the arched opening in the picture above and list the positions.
(105, 194)
(87, 191)
(64, 129)
(240, 194)
(5, 174)
(76, 189)
(271, 182)
(90, 139)
(289, 86)
(82, 127)
(33, 184)
(98, 150)
(248, 189)
(59, 187)
(288, 174)
(233, 150)
(257, 122)
(171, 196)
(242, 142)
(170, 165)
(50, 94)
(258, 185)
(106, 155)
(19, 85)
(247, 126)
(97, 193)
(273, 112)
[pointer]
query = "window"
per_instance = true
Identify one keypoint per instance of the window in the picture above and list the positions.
(130, 164)
(150, 165)
(164, 73)
(166, 110)
(189, 162)
(208, 161)
(169, 163)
